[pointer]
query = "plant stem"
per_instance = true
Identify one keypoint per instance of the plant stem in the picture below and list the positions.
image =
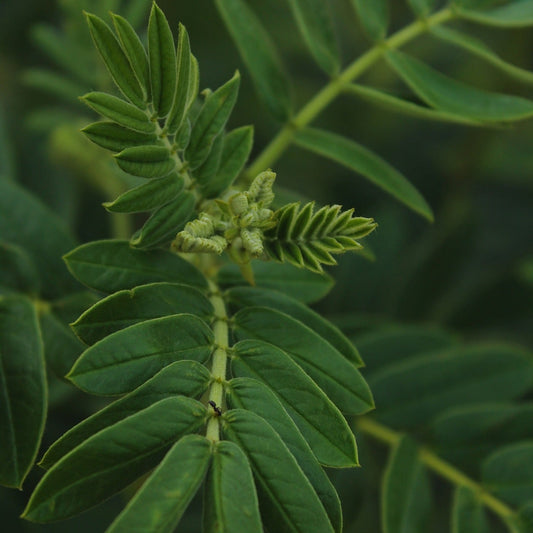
(325, 96)
(439, 466)
(220, 358)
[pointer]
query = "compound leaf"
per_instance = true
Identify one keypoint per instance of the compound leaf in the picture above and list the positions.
(111, 265)
(161, 501)
(125, 359)
(230, 499)
(316, 26)
(127, 307)
(447, 94)
(362, 160)
(259, 55)
(335, 375)
(288, 501)
(320, 422)
(109, 461)
(182, 378)
(22, 389)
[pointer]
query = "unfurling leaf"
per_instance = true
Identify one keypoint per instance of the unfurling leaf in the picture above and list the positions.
(307, 239)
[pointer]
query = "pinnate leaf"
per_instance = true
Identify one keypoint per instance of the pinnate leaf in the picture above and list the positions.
(320, 422)
(259, 55)
(125, 359)
(109, 461)
(128, 307)
(116, 61)
(316, 26)
(362, 160)
(182, 378)
(22, 389)
(447, 94)
(112, 265)
(161, 501)
(230, 500)
(288, 501)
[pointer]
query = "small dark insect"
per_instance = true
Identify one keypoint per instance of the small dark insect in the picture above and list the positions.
(215, 408)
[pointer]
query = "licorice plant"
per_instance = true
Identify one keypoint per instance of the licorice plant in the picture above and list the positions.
(221, 379)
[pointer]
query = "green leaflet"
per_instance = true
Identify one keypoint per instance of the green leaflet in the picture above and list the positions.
(146, 161)
(508, 472)
(421, 8)
(288, 501)
(303, 285)
(406, 491)
(466, 433)
(374, 17)
(259, 55)
(115, 137)
(320, 422)
(447, 94)
(61, 346)
(162, 57)
(393, 344)
(316, 26)
(230, 500)
(183, 135)
(134, 50)
(211, 121)
(125, 359)
(336, 376)
(23, 395)
(116, 109)
(362, 160)
(109, 461)
(111, 265)
(116, 61)
(468, 515)
(253, 296)
(252, 395)
(182, 378)
(161, 501)
(194, 82)
(165, 222)
(42, 236)
(181, 100)
(512, 15)
(393, 103)
(440, 380)
(207, 170)
(148, 196)
(480, 49)
(128, 307)
(17, 270)
(235, 152)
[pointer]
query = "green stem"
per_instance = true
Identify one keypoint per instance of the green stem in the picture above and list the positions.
(324, 97)
(439, 466)
(220, 359)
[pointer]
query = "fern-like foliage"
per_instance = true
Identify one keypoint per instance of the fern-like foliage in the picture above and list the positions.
(307, 239)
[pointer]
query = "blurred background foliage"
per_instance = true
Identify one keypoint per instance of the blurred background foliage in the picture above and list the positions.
(470, 273)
